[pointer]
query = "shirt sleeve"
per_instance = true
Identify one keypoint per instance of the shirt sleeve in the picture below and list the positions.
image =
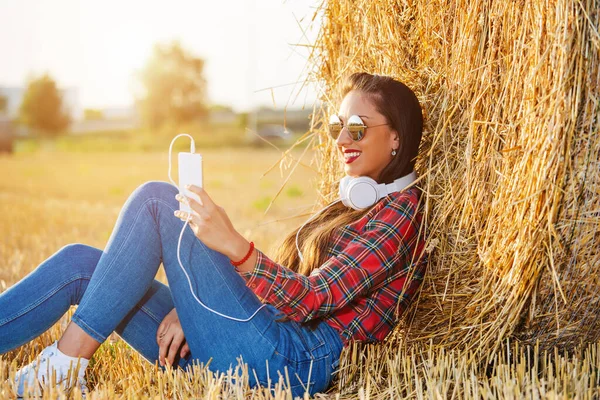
(363, 263)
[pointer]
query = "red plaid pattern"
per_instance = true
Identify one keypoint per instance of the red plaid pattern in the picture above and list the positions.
(364, 286)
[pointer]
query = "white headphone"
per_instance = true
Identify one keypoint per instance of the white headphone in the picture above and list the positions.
(362, 192)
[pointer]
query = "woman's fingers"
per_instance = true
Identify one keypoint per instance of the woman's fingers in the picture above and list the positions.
(174, 347)
(198, 209)
(185, 350)
(169, 346)
(161, 331)
(169, 337)
(163, 348)
(182, 215)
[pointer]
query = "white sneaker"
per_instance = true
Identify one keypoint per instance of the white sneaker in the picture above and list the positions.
(50, 361)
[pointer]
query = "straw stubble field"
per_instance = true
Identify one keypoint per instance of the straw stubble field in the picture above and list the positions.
(48, 200)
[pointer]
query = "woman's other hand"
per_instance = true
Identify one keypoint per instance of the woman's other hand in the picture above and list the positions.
(170, 339)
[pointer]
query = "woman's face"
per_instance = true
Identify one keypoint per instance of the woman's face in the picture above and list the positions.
(374, 150)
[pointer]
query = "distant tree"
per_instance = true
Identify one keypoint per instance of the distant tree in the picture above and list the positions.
(3, 104)
(173, 87)
(42, 108)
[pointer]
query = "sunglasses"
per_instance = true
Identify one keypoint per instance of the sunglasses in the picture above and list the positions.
(355, 126)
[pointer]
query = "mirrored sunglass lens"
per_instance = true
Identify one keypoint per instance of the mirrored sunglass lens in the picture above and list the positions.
(334, 130)
(356, 127)
(335, 126)
(356, 132)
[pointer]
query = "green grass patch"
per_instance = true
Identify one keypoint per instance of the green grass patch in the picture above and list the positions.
(294, 191)
(262, 203)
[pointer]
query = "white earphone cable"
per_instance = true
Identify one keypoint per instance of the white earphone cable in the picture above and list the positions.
(192, 150)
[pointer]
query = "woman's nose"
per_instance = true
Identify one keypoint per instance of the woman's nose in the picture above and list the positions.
(343, 137)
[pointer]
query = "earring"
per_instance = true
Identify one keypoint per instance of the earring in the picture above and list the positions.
(394, 152)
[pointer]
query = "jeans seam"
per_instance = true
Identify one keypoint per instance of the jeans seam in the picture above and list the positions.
(149, 313)
(297, 362)
(297, 327)
(46, 297)
(311, 380)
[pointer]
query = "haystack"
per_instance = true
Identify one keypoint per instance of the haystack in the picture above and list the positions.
(510, 158)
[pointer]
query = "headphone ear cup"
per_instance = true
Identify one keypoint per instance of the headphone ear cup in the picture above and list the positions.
(362, 193)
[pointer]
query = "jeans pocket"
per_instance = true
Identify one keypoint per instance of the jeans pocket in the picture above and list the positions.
(299, 344)
(311, 338)
(309, 355)
(308, 374)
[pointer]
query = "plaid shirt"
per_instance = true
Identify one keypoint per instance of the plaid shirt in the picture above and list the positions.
(357, 290)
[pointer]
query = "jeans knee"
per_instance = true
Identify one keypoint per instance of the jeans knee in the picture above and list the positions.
(157, 189)
(79, 258)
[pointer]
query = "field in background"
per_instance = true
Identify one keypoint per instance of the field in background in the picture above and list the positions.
(50, 199)
(206, 136)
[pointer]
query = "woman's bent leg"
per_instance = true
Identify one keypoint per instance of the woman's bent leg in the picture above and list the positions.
(147, 233)
(35, 303)
(124, 272)
(221, 339)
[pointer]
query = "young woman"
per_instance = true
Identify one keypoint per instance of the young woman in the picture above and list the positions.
(358, 270)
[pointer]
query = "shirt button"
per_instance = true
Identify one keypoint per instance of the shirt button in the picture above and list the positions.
(253, 285)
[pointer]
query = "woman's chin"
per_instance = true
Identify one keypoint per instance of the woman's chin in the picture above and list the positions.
(350, 171)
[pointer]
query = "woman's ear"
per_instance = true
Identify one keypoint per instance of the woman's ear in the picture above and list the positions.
(394, 140)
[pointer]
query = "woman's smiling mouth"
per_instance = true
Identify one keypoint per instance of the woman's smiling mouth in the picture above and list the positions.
(351, 156)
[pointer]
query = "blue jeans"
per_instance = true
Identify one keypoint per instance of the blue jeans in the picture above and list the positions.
(115, 290)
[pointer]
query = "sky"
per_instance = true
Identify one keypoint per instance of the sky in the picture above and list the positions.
(97, 46)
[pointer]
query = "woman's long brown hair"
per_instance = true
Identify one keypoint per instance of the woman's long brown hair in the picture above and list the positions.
(401, 108)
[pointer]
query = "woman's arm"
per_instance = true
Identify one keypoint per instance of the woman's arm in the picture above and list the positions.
(381, 251)
(239, 249)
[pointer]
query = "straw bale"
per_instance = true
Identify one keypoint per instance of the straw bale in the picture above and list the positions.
(510, 157)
